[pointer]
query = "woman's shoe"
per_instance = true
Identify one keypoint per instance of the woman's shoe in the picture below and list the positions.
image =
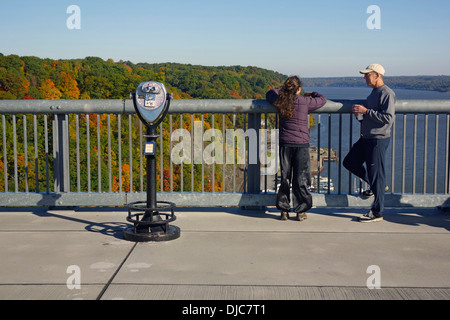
(301, 216)
(284, 215)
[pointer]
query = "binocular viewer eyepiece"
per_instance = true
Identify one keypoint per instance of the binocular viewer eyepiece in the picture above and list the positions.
(151, 102)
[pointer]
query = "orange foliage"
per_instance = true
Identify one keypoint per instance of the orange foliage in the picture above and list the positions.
(236, 95)
(69, 86)
(49, 91)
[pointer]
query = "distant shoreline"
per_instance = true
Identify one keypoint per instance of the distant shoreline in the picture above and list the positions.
(344, 93)
(427, 83)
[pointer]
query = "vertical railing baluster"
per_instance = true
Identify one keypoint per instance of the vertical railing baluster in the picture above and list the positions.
(25, 150)
(339, 155)
(350, 144)
(36, 154)
(425, 155)
(16, 178)
(192, 153)
(203, 165)
(436, 140)
(141, 155)
(47, 173)
(414, 155)
(99, 158)
(130, 150)
(88, 153)
(404, 154)
(77, 142)
(5, 155)
(246, 166)
(110, 187)
(161, 153)
(393, 157)
(223, 152)
(266, 146)
(170, 148)
(119, 144)
(234, 155)
(182, 162)
(213, 165)
(447, 160)
(277, 158)
(318, 154)
(329, 153)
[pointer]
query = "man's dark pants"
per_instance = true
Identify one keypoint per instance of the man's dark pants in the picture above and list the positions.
(295, 164)
(372, 152)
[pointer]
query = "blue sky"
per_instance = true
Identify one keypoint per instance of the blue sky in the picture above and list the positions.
(306, 38)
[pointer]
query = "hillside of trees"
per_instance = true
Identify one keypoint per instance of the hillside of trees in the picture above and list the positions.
(95, 78)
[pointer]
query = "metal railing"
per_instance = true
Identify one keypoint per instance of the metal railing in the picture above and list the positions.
(90, 153)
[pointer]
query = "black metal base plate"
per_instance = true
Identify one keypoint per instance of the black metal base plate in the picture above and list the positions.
(172, 233)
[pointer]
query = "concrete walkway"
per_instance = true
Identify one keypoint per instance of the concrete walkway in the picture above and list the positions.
(226, 254)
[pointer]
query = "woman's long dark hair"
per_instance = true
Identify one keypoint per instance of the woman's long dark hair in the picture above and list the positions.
(286, 98)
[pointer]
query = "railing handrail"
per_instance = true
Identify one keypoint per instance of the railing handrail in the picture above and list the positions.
(254, 106)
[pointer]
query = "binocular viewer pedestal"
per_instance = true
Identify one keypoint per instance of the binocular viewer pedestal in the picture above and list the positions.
(149, 224)
(151, 218)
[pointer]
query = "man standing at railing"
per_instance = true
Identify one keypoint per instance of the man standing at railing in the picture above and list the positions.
(376, 118)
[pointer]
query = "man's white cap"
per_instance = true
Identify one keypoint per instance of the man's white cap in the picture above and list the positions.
(378, 68)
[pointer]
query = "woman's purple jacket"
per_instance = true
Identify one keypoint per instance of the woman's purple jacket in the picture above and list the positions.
(295, 130)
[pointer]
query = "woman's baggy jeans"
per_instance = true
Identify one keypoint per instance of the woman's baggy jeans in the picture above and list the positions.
(295, 165)
(372, 152)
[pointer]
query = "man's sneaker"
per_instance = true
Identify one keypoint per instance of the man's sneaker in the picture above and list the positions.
(368, 193)
(370, 217)
(301, 216)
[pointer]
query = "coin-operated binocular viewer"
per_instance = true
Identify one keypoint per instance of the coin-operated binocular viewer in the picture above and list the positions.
(151, 218)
